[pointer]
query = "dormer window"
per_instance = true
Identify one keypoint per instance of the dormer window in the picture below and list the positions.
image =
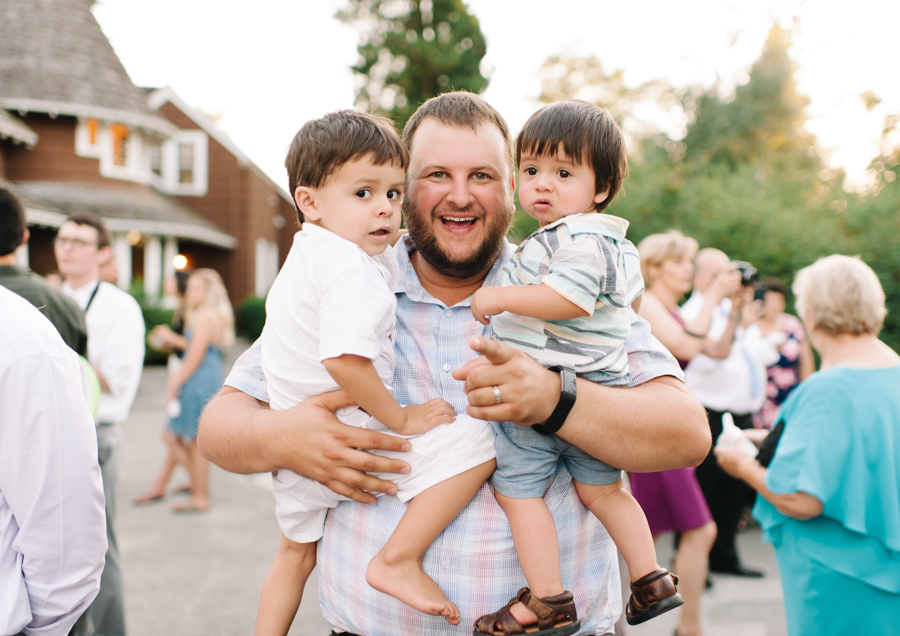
(118, 147)
(93, 131)
(120, 144)
(186, 163)
(155, 160)
(179, 165)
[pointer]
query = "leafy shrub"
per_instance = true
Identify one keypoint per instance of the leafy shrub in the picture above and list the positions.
(251, 317)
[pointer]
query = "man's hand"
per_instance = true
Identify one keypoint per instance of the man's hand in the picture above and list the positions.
(486, 302)
(307, 439)
(421, 418)
(528, 391)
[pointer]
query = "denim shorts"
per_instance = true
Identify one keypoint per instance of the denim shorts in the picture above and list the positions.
(526, 460)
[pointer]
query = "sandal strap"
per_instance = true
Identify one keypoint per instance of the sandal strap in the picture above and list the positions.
(536, 605)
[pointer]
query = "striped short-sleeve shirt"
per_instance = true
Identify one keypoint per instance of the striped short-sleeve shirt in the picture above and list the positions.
(474, 560)
(587, 260)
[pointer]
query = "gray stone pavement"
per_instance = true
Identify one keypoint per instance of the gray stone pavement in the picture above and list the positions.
(200, 574)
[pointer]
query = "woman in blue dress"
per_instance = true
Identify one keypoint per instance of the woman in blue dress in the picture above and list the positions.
(209, 327)
(830, 497)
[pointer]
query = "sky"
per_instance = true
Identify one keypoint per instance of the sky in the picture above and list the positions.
(262, 69)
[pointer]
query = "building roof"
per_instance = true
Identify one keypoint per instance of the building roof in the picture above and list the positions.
(157, 97)
(15, 129)
(48, 203)
(54, 58)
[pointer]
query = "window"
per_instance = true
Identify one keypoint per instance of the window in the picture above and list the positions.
(155, 160)
(93, 131)
(186, 163)
(120, 135)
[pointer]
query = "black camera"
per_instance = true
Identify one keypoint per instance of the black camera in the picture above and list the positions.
(748, 273)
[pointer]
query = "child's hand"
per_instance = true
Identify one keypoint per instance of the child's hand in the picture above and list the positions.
(421, 418)
(486, 302)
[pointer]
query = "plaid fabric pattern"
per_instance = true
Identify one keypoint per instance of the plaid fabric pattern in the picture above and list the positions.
(473, 560)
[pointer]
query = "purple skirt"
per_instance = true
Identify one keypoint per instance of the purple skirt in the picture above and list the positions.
(671, 499)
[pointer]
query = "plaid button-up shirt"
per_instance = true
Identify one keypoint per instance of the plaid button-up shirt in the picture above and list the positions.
(473, 561)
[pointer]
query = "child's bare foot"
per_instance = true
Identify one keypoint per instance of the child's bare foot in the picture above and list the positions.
(407, 581)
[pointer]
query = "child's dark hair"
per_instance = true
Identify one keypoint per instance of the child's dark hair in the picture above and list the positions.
(589, 136)
(323, 145)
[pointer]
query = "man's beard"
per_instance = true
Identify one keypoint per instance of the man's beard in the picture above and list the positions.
(424, 240)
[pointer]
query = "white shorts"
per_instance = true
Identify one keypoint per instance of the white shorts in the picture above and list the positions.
(443, 452)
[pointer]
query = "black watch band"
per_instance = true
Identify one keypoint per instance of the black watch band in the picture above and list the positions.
(566, 401)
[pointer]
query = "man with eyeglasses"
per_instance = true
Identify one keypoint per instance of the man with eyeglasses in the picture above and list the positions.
(116, 333)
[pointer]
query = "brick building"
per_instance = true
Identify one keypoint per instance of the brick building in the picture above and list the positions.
(77, 135)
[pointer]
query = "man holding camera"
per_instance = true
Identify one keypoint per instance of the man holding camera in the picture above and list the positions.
(735, 385)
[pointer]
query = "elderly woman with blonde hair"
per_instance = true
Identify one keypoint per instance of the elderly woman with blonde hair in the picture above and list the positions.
(829, 473)
(209, 328)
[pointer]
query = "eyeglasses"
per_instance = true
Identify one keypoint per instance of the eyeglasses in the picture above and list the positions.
(61, 242)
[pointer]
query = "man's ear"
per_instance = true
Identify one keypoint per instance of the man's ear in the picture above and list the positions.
(305, 198)
(104, 254)
(25, 236)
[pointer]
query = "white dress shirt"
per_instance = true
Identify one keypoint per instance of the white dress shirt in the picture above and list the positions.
(116, 334)
(52, 524)
(736, 384)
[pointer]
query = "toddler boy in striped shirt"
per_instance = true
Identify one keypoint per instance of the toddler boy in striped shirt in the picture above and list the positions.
(565, 299)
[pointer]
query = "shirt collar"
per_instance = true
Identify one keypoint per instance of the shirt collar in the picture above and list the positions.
(601, 223)
(81, 294)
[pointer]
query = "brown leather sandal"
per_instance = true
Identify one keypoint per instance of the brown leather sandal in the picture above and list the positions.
(556, 617)
(651, 596)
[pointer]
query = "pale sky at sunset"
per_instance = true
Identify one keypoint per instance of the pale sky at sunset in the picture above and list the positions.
(267, 67)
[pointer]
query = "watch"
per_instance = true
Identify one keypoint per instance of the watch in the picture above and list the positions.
(566, 402)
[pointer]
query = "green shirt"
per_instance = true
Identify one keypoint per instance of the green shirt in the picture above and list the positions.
(62, 311)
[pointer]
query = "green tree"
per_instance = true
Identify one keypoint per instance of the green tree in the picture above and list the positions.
(765, 120)
(412, 50)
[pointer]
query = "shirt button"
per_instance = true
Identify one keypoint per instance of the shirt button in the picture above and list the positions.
(446, 564)
(448, 313)
(447, 368)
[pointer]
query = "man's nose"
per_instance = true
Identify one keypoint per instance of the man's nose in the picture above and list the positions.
(460, 194)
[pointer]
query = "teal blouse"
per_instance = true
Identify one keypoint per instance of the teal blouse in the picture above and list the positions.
(841, 444)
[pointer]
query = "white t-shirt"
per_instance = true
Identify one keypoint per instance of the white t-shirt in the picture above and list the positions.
(329, 299)
(52, 523)
(736, 384)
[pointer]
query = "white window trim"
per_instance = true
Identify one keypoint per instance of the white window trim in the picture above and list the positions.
(135, 169)
(168, 182)
(83, 145)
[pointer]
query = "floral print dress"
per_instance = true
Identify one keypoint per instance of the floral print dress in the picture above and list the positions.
(784, 375)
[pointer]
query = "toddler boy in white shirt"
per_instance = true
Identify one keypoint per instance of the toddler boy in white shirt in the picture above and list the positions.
(330, 321)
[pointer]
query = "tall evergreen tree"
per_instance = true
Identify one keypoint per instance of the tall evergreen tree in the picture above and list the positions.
(412, 50)
(764, 122)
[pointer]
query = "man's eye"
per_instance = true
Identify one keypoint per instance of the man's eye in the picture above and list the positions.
(438, 174)
(564, 174)
(480, 176)
(364, 194)
(394, 195)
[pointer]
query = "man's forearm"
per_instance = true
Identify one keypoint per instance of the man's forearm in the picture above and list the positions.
(235, 432)
(655, 426)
